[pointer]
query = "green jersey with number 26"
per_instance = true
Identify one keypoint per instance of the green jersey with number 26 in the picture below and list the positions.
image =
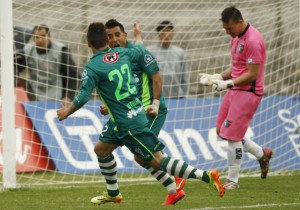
(109, 71)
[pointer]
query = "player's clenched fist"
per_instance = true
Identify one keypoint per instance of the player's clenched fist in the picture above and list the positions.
(206, 79)
(153, 108)
(220, 85)
(103, 110)
(137, 33)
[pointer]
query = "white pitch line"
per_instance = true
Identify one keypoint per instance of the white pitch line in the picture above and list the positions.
(247, 207)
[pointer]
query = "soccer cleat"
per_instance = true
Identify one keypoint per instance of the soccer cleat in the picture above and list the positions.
(105, 198)
(172, 199)
(230, 185)
(264, 162)
(214, 181)
(180, 182)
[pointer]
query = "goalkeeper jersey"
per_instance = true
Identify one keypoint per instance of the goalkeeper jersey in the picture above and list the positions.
(249, 48)
(142, 71)
(109, 71)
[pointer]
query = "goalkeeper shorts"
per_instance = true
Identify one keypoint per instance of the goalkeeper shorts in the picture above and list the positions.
(235, 114)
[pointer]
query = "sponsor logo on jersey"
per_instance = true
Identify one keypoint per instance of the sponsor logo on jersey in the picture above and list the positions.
(132, 112)
(136, 78)
(250, 61)
(84, 75)
(111, 57)
(148, 59)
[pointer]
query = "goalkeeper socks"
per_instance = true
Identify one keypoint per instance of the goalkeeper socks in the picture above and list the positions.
(162, 177)
(253, 148)
(108, 168)
(181, 169)
(234, 157)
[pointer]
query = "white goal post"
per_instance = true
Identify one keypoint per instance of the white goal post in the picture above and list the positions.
(41, 150)
(7, 102)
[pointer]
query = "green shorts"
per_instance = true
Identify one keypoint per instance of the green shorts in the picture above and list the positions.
(156, 123)
(142, 142)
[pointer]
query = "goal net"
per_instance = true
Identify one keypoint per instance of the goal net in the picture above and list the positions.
(53, 152)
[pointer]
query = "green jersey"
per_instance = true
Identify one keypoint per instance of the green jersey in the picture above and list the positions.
(109, 71)
(142, 70)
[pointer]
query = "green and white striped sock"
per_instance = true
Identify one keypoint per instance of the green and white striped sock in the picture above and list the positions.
(108, 168)
(181, 169)
(162, 177)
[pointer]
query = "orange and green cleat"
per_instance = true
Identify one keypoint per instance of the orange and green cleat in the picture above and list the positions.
(172, 199)
(180, 182)
(214, 181)
(105, 198)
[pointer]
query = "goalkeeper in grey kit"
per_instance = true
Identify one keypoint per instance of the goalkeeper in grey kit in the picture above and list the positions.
(109, 71)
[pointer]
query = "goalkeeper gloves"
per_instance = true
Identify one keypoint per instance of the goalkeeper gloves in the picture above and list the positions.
(153, 108)
(207, 79)
(220, 85)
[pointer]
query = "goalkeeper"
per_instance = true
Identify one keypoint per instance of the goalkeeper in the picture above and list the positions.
(244, 82)
(109, 71)
(149, 88)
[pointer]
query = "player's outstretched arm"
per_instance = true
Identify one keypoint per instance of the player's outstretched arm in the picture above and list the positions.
(65, 111)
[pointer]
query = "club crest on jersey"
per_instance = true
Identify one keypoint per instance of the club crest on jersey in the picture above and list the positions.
(111, 57)
(241, 48)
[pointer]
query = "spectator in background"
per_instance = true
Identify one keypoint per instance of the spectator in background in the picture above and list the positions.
(22, 35)
(173, 67)
(52, 71)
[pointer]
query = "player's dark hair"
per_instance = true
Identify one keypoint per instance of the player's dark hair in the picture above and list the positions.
(231, 13)
(97, 35)
(39, 27)
(164, 24)
(114, 23)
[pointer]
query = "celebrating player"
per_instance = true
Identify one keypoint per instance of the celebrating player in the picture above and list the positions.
(109, 71)
(245, 83)
(149, 88)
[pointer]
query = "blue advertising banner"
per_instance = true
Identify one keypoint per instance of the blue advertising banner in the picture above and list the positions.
(189, 134)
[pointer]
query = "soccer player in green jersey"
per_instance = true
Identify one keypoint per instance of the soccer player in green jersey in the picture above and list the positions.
(149, 88)
(109, 71)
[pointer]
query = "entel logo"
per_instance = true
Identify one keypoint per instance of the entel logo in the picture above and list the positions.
(185, 137)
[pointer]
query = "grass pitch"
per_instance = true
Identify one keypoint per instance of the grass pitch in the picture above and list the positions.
(275, 192)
